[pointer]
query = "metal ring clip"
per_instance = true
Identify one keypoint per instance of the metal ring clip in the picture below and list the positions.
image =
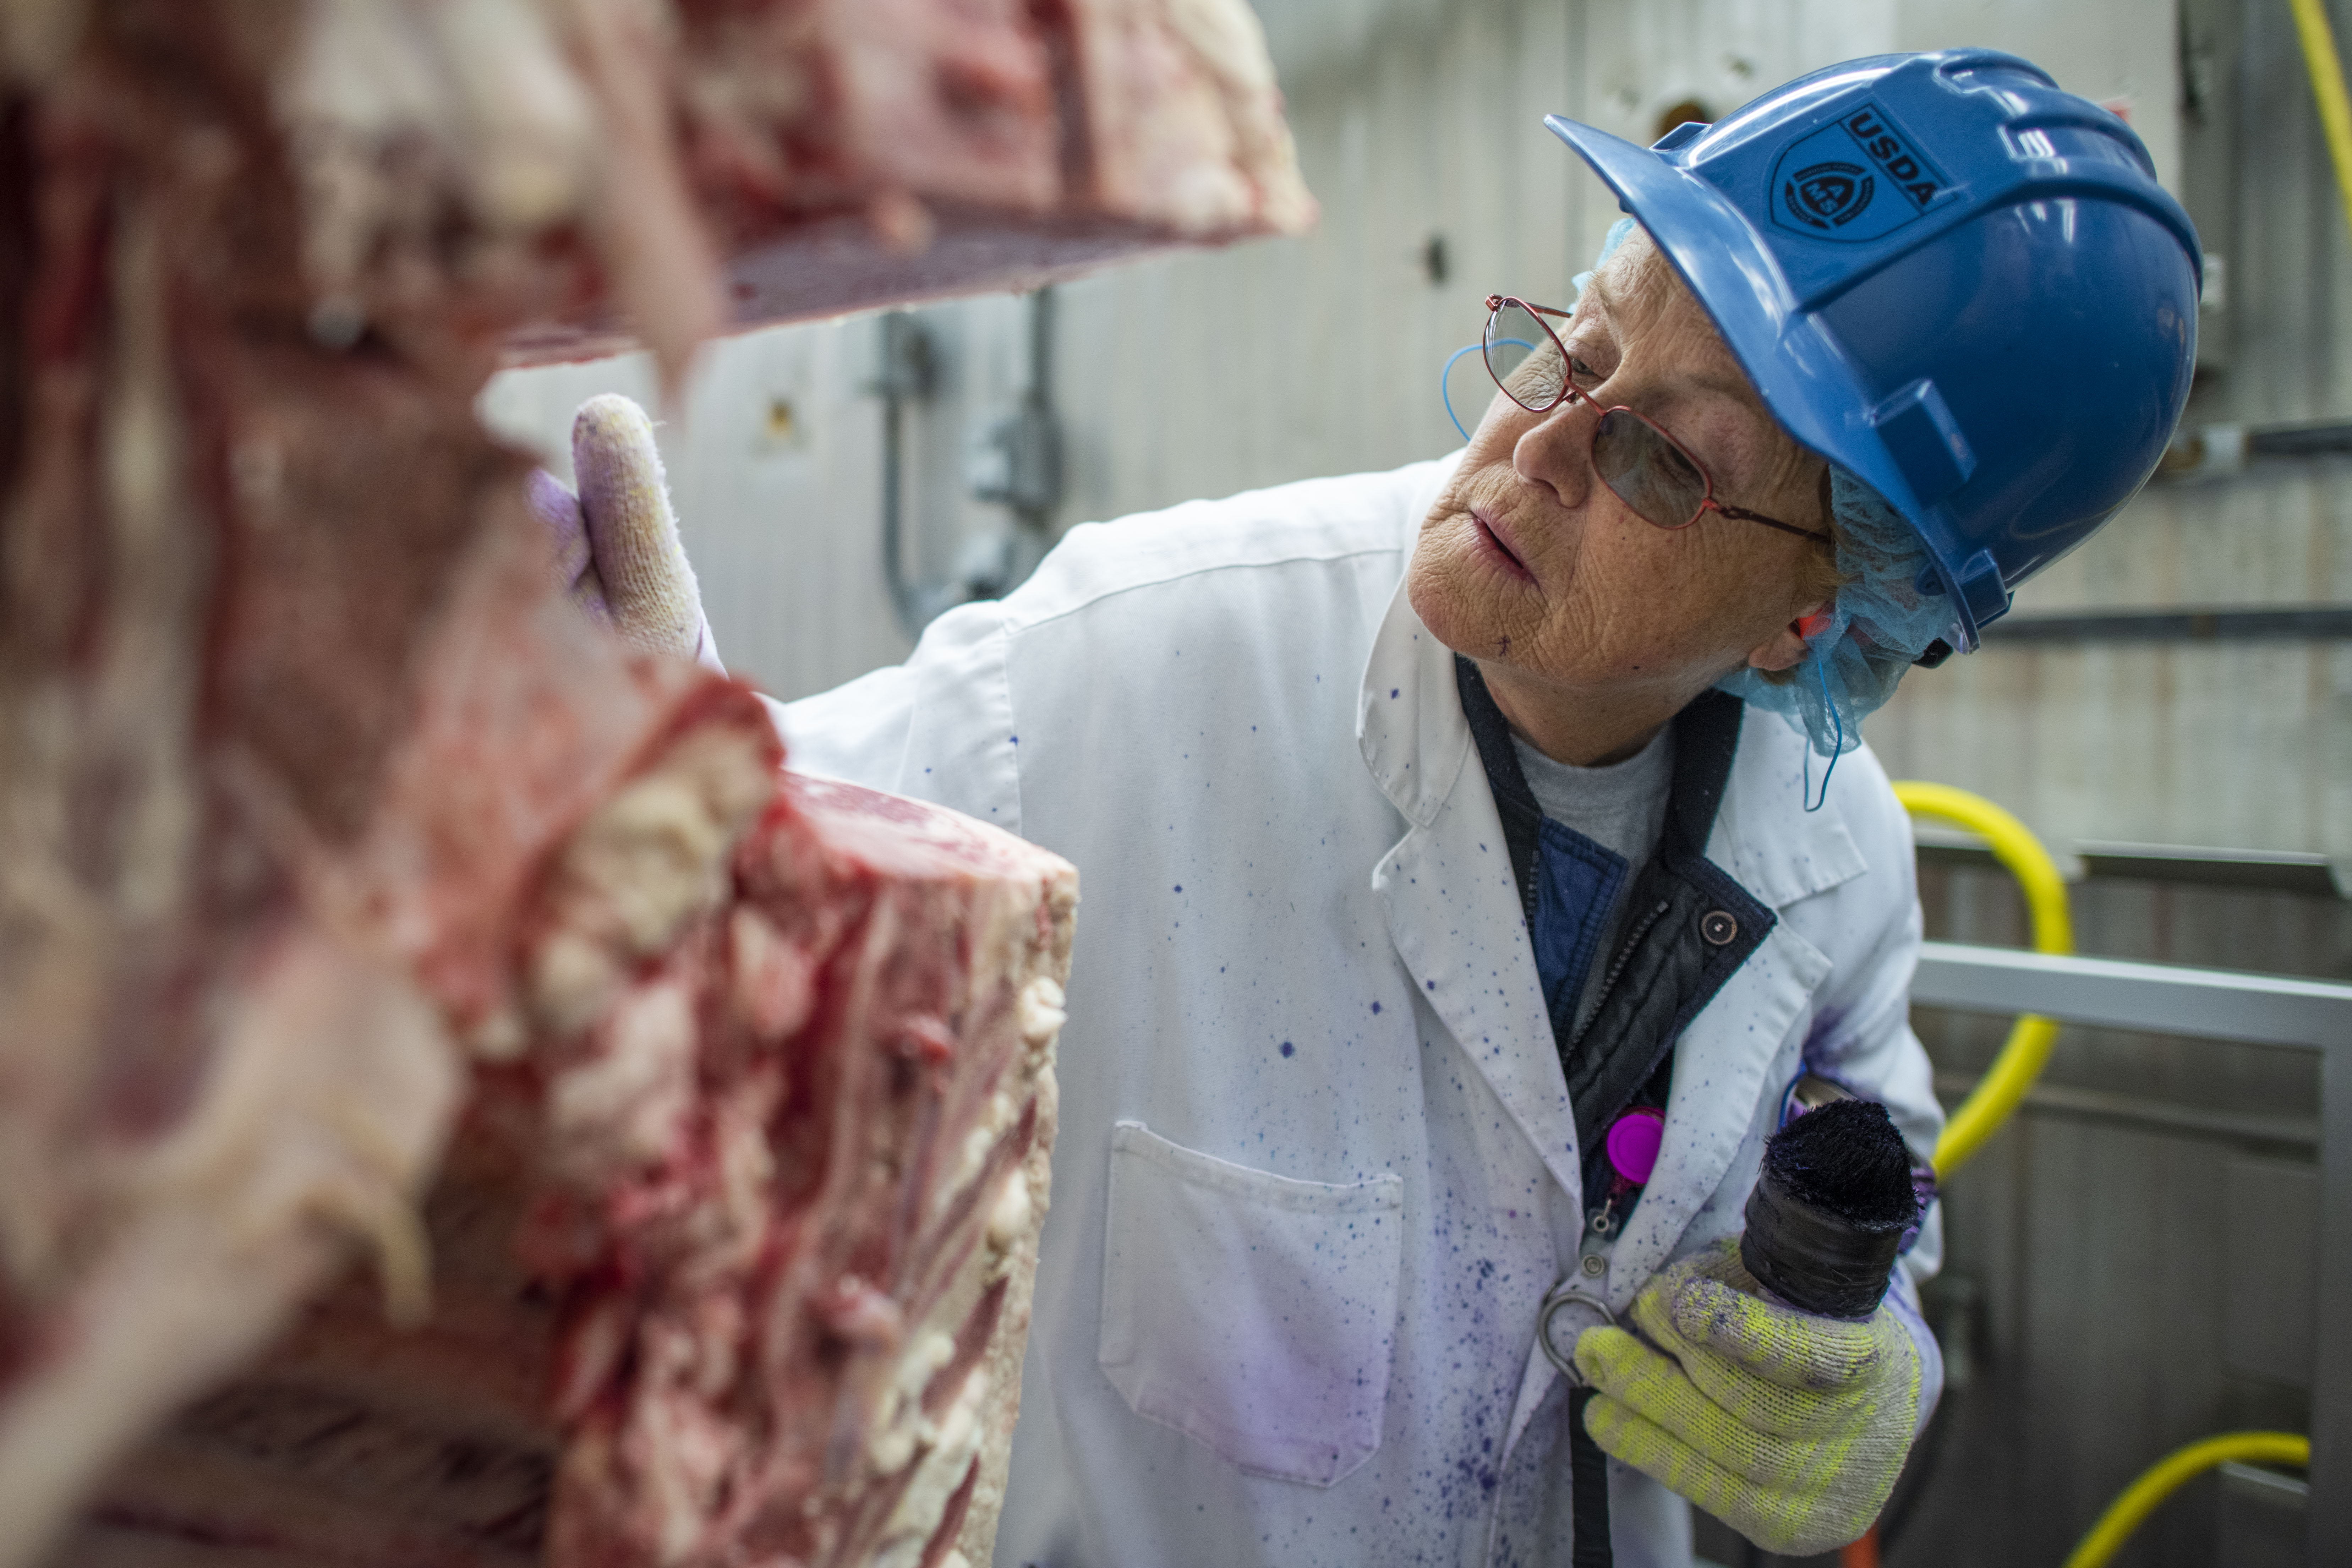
(1565, 1295)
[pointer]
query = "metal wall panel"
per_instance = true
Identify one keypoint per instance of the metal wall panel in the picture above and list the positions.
(2124, 53)
(2270, 1238)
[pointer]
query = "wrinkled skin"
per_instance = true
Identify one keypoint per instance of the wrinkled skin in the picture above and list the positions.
(1593, 626)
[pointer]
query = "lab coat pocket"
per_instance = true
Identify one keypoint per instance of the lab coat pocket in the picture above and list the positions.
(1251, 1311)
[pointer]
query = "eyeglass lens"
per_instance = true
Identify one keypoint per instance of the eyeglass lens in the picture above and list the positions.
(1524, 359)
(1648, 472)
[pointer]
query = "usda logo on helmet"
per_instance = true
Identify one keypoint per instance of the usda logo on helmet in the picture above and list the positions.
(1948, 277)
(1829, 198)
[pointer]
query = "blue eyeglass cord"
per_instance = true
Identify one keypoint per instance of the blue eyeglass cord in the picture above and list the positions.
(1838, 746)
(1446, 375)
(1446, 392)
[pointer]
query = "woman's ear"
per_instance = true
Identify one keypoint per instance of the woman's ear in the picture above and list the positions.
(1785, 648)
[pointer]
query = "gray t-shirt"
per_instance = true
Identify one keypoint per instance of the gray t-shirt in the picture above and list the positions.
(1621, 805)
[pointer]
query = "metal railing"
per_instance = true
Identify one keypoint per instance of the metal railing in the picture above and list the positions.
(2215, 1004)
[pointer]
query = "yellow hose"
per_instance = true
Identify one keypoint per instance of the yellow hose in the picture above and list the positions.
(2164, 1477)
(2001, 1089)
(2328, 87)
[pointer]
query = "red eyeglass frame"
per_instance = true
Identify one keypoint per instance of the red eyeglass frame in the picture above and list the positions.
(1569, 389)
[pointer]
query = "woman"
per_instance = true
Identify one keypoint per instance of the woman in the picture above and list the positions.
(1436, 825)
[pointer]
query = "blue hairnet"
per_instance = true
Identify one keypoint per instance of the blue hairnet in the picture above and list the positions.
(1609, 244)
(1879, 623)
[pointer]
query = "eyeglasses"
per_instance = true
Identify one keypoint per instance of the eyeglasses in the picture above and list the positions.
(1646, 468)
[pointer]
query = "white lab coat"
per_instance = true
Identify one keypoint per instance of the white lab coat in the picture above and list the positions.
(1317, 1166)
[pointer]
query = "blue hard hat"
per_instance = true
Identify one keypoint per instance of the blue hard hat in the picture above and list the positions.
(1950, 278)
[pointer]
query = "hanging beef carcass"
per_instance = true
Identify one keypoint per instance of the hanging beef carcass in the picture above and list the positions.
(357, 897)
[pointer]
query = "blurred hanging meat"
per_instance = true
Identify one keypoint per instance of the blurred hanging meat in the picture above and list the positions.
(736, 1269)
(361, 899)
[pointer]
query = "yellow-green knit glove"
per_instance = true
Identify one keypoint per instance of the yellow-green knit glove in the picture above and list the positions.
(616, 546)
(1788, 1428)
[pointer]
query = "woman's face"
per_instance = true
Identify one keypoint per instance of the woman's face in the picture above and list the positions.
(1533, 566)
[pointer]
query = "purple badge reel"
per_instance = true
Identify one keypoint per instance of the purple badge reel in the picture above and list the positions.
(1632, 1145)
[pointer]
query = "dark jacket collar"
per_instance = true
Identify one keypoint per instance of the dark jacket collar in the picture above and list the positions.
(1689, 925)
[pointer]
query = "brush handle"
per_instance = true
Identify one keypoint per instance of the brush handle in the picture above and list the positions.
(1814, 1261)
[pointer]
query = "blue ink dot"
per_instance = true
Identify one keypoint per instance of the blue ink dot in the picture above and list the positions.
(1376, 1006)
(1393, 691)
(1180, 887)
(1287, 1047)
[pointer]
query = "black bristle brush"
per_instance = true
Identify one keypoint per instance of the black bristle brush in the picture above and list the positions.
(1829, 1209)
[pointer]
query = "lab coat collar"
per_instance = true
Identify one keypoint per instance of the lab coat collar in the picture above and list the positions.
(1465, 941)
(1408, 722)
(1454, 914)
(1452, 903)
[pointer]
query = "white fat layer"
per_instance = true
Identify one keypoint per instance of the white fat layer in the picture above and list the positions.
(1008, 1217)
(650, 858)
(1229, 43)
(685, 1448)
(485, 87)
(1040, 1012)
(571, 976)
(899, 1428)
(625, 1106)
(535, 113)
(996, 1116)
(954, 1446)
(775, 978)
(498, 1036)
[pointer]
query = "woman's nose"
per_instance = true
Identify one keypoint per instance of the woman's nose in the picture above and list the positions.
(1555, 453)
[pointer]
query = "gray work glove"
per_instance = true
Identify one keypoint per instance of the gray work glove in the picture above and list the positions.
(616, 547)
